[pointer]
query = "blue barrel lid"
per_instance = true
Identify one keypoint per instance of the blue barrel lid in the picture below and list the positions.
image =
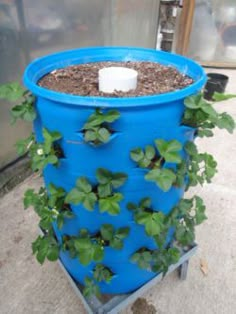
(41, 66)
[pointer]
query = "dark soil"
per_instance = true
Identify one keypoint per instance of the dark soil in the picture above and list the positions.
(153, 78)
(141, 306)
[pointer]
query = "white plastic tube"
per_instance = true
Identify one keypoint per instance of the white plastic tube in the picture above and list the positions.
(112, 79)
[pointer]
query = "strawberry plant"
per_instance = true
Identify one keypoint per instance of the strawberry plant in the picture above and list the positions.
(14, 92)
(41, 154)
(154, 158)
(97, 129)
(201, 115)
(46, 246)
(49, 207)
(182, 219)
(103, 193)
(102, 273)
(156, 260)
(88, 248)
(153, 221)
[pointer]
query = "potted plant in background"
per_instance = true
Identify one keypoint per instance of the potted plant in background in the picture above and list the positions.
(115, 168)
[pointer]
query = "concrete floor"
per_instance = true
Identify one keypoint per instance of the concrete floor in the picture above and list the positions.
(26, 287)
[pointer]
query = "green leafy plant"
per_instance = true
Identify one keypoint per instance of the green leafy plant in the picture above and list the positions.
(183, 218)
(143, 258)
(156, 260)
(200, 114)
(97, 129)
(114, 237)
(167, 152)
(46, 246)
(14, 92)
(88, 248)
(153, 221)
(90, 288)
(197, 168)
(103, 193)
(102, 273)
(41, 154)
(85, 247)
(49, 207)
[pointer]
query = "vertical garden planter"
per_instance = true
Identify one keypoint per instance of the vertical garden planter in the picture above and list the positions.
(142, 120)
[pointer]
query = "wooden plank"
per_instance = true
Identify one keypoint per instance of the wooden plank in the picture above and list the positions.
(185, 27)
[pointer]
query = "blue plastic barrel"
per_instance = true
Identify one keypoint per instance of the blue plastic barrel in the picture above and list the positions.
(142, 120)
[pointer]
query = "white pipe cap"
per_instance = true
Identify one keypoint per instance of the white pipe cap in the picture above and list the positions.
(112, 79)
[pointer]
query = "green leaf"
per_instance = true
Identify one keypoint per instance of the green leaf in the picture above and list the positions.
(116, 243)
(142, 217)
(84, 185)
(90, 136)
(51, 159)
(53, 253)
(102, 273)
(190, 148)
(94, 120)
(29, 198)
(111, 204)
(137, 154)
(132, 206)
(30, 114)
(107, 231)
(155, 224)
(51, 136)
(145, 203)
(11, 91)
(103, 135)
(111, 116)
(60, 221)
(202, 133)
(90, 288)
(86, 256)
(220, 96)
(193, 102)
(184, 236)
(118, 179)
(143, 259)
(103, 176)
(164, 178)
(169, 150)
(122, 233)
(98, 253)
(150, 152)
(207, 108)
(225, 121)
(104, 190)
(74, 197)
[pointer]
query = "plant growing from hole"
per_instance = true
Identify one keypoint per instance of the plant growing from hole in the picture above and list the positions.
(198, 168)
(46, 247)
(41, 154)
(97, 129)
(201, 114)
(153, 221)
(49, 207)
(156, 260)
(168, 152)
(101, 273)
(88, 248)
(103, 193)
(182, 220)
(14, 92)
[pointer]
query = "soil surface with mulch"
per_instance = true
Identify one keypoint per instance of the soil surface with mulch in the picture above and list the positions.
(82, 79)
